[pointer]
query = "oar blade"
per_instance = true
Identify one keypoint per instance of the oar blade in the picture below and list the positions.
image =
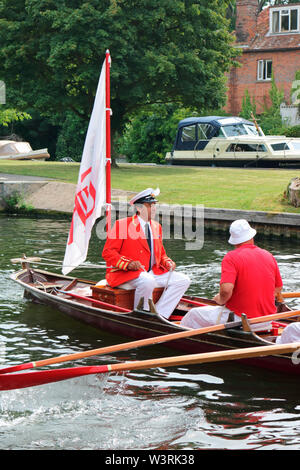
(18, 368)
(31, 379)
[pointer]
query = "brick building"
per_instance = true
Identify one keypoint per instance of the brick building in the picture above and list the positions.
(270, 41)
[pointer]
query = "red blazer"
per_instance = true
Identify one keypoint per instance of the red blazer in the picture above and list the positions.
(127, 242)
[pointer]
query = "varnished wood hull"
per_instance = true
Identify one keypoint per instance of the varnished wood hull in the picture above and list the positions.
(139, 324)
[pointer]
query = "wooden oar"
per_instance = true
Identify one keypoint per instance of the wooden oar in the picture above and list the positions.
(120, 347)
(144, 342)
(289, 295)
(30, 379)
(199, 302)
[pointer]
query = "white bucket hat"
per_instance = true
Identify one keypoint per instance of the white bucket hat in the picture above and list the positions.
(240, 232)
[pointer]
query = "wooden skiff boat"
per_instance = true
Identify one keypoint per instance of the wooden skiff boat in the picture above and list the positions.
(84, 301)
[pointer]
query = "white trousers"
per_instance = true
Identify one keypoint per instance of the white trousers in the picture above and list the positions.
(178, 283)
(290, 334)
(210, 315)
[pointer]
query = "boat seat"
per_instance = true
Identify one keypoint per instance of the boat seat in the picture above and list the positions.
(71, 284)
(176, 318)
(120, 297)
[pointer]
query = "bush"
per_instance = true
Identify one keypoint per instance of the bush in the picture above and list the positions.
(248, 106)
(71, 138)
(39, 132)
(270, 120)
(293, 131)
(14, 204)
(149, 135)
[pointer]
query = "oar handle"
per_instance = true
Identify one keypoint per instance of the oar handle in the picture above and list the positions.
(279, 297)
(289, 295)
(274, 317)
(200, 302)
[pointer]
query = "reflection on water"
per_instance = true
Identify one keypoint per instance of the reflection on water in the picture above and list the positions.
(198, 407)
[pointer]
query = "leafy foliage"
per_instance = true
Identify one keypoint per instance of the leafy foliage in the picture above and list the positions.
(149, 135)
(14, 204)
(270, 120)
(11, 115)
(162, 52)
(295, 91)
(248, 106)
(293, 131)
(38, 131)
(71, 137)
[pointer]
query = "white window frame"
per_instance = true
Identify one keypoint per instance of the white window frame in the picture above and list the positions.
(262, 69)
(284, 11)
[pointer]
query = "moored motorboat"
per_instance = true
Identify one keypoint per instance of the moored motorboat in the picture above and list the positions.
(230, 141)
(15, 150)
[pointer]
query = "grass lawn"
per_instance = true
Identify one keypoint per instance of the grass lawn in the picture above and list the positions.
(230, 188)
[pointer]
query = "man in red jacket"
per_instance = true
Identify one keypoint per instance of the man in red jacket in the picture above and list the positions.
(136, 258)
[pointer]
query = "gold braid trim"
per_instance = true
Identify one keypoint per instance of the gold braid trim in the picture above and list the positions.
(123, 263)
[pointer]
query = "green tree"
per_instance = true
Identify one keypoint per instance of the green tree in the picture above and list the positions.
(71, 137)
(9, 115)
(149, 135)
(295, 91)
(270, 119)
(162, 51)
(248, 106)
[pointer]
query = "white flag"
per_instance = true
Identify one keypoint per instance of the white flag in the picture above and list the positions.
(91, 187)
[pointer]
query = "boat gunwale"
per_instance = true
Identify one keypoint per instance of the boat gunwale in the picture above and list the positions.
(207, 338)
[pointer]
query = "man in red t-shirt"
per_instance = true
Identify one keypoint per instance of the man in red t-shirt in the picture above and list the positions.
(250, 280)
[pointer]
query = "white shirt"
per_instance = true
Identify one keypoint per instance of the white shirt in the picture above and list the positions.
(143, 225)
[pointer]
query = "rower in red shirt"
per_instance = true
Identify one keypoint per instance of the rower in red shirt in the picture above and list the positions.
(136, 258)
(250, 280)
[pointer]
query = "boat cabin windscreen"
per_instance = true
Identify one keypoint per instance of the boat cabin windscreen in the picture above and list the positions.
(295, 145)
(234, 130)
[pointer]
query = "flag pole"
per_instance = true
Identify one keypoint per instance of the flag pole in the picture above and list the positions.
(108, 142)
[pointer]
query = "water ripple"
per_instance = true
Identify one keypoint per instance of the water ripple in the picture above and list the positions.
(198, 407)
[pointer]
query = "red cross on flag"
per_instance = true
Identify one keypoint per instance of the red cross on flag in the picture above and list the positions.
(93, 186)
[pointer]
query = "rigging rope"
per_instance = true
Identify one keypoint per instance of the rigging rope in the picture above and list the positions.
(56, 263)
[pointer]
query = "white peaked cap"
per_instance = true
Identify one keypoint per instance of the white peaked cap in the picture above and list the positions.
(148, 195)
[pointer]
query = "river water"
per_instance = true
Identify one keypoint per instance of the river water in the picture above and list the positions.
(221, 406)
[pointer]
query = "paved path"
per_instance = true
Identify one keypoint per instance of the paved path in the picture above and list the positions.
(8, 178)
(48, 194)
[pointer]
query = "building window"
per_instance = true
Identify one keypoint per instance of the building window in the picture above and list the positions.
(264, 70)
(285, 20)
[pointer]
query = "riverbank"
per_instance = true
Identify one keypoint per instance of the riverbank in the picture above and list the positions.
(50, 197)
(227, 188)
